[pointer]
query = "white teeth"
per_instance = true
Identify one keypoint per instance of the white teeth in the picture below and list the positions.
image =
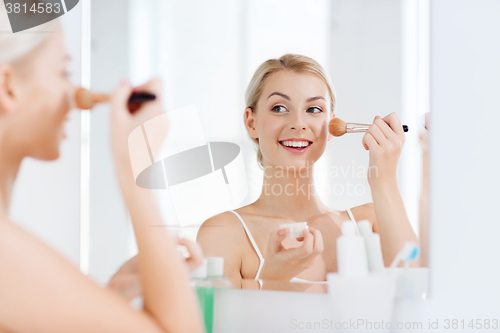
(296, 143)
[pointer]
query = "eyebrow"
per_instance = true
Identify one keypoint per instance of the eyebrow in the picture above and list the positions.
(315, 98)
(279, 94)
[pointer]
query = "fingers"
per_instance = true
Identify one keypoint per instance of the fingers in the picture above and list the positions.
(369, 142)
(377, 133)
(195, 253)
(153, 86)
(130, 266)
(393, 120)
(383, 125)
(312, 245)
(119, 98)
(318, 241)
(386, 132)
(308, 244)
(127, 286)
(275, 240)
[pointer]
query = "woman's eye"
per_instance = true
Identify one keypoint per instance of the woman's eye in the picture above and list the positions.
(279, 108)
(314, 110)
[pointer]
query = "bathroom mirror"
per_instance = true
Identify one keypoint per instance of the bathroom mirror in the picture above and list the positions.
(206, 53)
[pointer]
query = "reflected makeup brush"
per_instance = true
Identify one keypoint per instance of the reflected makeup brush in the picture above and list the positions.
(338, 127)
(86, 99)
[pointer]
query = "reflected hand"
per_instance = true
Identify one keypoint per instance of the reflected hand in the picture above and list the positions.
(195, 258)
(284, 264)
(384, 139)
(127, 280)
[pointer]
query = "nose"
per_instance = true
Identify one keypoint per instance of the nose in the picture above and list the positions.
(297, 122)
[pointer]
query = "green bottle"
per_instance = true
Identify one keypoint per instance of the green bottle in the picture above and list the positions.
(206, 279)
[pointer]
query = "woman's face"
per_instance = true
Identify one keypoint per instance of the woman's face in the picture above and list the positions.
(45, 96)
(291, 120)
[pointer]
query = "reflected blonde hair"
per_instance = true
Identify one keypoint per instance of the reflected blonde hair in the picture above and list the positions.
(292, 62)
(14, 46)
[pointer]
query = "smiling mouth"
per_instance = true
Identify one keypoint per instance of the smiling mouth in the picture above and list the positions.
(295, 145)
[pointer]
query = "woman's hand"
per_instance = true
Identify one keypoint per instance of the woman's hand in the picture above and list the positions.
(123, 121)
(195, 258)
(127, 281)
(284, 264)
(384, 139)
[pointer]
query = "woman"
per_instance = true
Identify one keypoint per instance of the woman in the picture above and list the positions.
(289, 104)
(40, 291)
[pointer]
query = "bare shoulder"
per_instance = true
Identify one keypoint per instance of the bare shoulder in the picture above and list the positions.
(35, 272)
(222, 230)
(40, 284)
(25, 253)
(365, 212)
(12, 237)
(222, 224)
(223, 236)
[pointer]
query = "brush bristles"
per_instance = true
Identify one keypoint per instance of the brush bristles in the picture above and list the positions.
(337, 127)
(83, 99)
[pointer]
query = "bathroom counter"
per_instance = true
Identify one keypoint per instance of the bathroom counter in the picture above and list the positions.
(309, 310)
(265, 311)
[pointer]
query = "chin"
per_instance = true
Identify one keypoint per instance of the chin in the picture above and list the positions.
(48, 154)
(297, 164)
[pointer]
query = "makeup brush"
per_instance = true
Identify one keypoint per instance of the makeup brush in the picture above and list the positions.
(86, 99)
(338, 127)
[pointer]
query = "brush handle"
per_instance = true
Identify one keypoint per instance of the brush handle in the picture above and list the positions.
(356, 128)
(141, 97)
(361, 128)
(137, 99)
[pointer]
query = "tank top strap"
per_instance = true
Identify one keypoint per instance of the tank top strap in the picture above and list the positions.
(252, 241)
(351, 216)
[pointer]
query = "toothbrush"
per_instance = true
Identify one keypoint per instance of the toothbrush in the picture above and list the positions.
(409, 252)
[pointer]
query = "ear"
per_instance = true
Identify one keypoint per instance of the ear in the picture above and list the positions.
(8, 95)
(250, 123)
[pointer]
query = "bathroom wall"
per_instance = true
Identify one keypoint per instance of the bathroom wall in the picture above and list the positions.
(464, 228)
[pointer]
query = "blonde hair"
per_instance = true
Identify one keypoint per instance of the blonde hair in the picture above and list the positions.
(293, 62)
(16, 45)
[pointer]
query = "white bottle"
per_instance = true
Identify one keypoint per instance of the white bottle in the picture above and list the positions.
(215, 273)
(351, 252)
(372, 245)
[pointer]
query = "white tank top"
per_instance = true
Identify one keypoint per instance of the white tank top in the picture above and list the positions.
(259, 254)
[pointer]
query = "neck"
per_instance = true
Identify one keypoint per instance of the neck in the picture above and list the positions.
(9, 167)
(290, 193)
